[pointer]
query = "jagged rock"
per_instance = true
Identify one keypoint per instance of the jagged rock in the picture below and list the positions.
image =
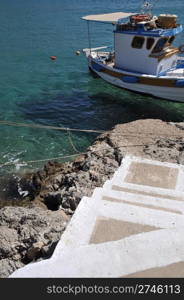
(8, 241)
(8, 266)
(25, 232)
(53, 200)
(48, 250)
(35, 250)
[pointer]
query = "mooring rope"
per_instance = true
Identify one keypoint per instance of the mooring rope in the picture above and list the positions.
(77, 152)
(6, 164)
(71, 142)
(9, 123)
(39, 160)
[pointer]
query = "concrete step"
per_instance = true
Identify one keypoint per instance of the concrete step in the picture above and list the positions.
(157, 203)
(143, 190)
(142, 176)
(157, 252)
(100, 219)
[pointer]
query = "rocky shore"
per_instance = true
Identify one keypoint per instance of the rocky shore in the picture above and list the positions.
(52, 194)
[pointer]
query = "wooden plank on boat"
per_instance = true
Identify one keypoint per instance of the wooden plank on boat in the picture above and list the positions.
(157, 81)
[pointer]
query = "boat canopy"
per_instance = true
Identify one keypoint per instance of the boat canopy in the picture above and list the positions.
(108, 18)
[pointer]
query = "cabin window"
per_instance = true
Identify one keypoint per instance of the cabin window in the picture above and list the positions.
(138, 42)
(160, 45)
(150, 43)
(171, 39)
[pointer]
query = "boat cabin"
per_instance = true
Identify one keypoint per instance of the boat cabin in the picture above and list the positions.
(144, 44)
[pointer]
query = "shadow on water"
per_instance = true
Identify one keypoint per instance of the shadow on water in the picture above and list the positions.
(99, 110)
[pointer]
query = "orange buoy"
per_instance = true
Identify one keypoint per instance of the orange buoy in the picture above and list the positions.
(53, 57)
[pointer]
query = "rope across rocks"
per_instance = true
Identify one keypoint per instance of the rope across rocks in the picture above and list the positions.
(69, 130)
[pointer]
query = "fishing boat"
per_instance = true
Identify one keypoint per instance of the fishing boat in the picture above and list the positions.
(143, 58)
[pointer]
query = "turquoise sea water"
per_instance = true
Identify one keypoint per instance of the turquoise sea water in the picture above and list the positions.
(35, 89)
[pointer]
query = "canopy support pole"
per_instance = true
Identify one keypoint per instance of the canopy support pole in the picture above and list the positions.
(89, 38)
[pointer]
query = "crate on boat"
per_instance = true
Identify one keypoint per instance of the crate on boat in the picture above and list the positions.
(167, 21)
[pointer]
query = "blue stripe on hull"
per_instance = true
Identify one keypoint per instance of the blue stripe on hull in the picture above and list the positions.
(97, 67)
(130, 79)
(180, 83)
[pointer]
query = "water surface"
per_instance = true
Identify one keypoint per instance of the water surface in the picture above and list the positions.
(35, 89)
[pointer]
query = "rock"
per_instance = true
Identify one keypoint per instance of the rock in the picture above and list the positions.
(181, 159)
(93, 175)
(34, 251)
(8, 241)
(53, 200)
(8, 266)
(25, 232)
(56, 187)
(48, 250)
(72, 204)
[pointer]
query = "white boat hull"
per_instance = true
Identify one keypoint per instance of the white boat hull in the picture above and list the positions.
(169, 93)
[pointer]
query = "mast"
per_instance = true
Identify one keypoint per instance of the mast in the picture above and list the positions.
(147, 8)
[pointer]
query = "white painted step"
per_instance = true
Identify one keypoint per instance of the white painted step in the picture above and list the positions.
(143, 190)
(149, 177)
(92, 212)
(157, 250)
(164, 204)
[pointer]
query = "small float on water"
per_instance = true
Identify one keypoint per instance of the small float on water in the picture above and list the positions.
(143, 59)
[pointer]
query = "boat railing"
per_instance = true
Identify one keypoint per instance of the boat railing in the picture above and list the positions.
(98, 50)
(106, 55)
